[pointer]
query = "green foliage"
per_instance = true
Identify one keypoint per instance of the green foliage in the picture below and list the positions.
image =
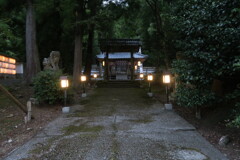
(236, 113)
(7, 39)
(193, 97)
(47, 87)
(209, 35)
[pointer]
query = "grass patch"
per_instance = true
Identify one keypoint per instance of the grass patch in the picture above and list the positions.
(145, 119)
(45, 147)
(82, 128)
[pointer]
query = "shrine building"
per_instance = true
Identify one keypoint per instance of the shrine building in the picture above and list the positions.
(120, 59)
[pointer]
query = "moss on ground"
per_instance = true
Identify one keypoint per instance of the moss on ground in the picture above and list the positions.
(106, 101)
(82, 128)
(44, 147)
(145, 119)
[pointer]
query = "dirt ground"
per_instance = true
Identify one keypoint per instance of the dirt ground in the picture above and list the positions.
(13, 130)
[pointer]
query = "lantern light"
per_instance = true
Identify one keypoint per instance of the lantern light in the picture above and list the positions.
(139, 63)
(103, 63)
(7, 65)
(94, 75)
(150, 77)
(64, 81)
(11, 60)
(166, 78)
(83, 78)
(135, 67)
(141, 75)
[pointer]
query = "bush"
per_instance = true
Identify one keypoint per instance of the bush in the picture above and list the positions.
(47, 87)
(193, 97)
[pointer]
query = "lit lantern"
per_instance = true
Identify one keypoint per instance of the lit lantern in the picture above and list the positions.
(103, 63)
(64, 85)
(7, 65)
(150, 77)
(166, 78)
(139, 63)
(141, 75)
(135, 67)
(2, 58)
(64, 81)
(11, 60)
(94, 75)
(83, 78)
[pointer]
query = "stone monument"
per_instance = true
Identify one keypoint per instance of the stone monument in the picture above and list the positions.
(51, 63)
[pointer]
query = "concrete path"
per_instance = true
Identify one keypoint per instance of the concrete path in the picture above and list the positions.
(118, 124)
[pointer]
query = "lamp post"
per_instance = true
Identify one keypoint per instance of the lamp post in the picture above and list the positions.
(64, 85)
(83, 80)
(95, 79)
(141, 77)
(150, 79)
(167, 81)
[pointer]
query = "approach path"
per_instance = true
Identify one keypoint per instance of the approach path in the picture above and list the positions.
(118, 124)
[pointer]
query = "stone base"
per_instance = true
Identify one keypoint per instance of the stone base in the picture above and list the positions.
(84, 95)
(168, 106)
(65, 109)
(150, 94)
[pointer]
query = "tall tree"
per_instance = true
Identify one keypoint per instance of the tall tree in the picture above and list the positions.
(156, 7)
(32, 57)
(78, 50)
(93, 6)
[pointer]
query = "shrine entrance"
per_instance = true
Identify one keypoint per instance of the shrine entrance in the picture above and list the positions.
(120, 59)
(120, 70)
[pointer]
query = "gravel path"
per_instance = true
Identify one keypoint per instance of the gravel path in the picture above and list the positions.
(118, 124)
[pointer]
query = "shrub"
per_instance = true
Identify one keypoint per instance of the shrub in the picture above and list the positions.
(47, 87)
(193, 97)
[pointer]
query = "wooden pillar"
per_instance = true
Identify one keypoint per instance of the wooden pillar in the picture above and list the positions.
(100, 69)
(132, 66)
(106, 66)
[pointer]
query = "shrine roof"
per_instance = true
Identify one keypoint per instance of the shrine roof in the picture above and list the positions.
(120, 45)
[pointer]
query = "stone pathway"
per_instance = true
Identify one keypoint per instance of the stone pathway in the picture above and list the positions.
(118, 124)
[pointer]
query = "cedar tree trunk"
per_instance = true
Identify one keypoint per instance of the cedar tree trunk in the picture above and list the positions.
(32, 57)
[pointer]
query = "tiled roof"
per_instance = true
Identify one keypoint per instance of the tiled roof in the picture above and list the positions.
(122, 55)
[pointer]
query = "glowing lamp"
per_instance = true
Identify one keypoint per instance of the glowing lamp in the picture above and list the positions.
(103, 63)
(139, 63)
(141, 75)
(94, 75)
(150, 77)
(83, 78)
(166, 78)
(11, 60)
(7, 65)
(135, 67)
(64, 81)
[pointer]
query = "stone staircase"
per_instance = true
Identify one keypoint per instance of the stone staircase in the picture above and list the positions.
(118, 84)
